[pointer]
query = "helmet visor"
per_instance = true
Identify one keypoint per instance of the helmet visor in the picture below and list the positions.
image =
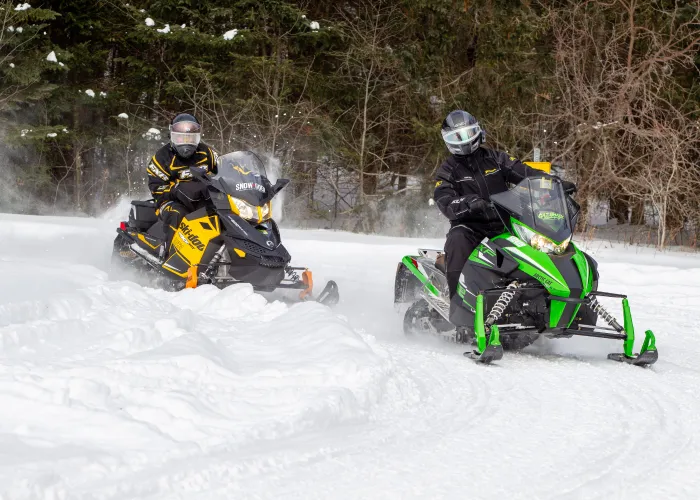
(186, 127)
(461, 135)
(181, 139)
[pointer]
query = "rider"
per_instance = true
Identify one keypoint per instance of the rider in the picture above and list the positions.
(169, 178)
(464, 185)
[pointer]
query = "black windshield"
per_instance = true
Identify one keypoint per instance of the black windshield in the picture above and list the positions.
(541, 204)
(242, 175)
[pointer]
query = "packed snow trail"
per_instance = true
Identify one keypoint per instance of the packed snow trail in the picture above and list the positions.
(109, 390)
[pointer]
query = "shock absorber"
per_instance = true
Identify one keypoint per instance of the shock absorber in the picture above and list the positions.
(501, 304)
(212, 267)
(598, 308)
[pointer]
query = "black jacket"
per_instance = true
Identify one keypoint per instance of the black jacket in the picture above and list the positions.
(461, 180)
(166, 168)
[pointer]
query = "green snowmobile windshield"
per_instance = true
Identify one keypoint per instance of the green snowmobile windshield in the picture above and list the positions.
(541, 204)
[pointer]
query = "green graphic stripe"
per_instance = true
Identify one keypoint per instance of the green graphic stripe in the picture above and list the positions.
(423, 279)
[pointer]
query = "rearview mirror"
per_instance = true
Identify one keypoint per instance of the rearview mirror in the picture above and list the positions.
(279, 186)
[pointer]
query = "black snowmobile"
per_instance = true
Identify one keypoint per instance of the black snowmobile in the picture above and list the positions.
(531, 280)
(233, 239)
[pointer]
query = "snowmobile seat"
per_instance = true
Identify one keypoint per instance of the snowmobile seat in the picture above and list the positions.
(143, 214)
(440, 263)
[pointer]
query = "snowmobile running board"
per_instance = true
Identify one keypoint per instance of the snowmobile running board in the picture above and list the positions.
(489, 346)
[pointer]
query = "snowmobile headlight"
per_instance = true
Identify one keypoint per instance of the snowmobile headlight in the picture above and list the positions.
(266, 211)
(539, 242)
(251, 212)
(561, 247)
(244, 209)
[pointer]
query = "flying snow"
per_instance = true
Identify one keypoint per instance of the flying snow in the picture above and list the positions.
(165, 30)
(150, 22)
(229, 35)
(23, 6)
(52, 57)
(123, 116)
(90, 92)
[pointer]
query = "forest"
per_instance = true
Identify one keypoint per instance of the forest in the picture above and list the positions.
(346, 98)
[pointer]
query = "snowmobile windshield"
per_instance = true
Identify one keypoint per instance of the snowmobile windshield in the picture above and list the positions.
(541, 204)
(242, 175)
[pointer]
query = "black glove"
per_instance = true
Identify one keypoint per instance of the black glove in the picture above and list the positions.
(569, 187)
(189, 192)
(479, 206)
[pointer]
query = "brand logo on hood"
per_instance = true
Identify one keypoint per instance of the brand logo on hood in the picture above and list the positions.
(250, 186)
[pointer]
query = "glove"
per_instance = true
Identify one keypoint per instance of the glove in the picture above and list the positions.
(479, 206)
(189, 192)
(569, 187)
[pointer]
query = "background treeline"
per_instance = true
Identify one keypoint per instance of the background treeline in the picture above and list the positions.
(346, 98)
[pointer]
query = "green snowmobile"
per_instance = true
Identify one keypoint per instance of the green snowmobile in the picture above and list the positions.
(529, 281)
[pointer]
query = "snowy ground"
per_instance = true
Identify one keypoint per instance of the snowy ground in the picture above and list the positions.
(113, 391)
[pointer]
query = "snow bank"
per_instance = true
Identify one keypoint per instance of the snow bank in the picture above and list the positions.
(107, 378)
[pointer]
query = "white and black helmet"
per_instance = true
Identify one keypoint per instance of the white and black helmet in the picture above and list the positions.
(185, 134)
(462, 133)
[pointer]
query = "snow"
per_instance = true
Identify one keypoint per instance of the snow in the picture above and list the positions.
(90, 92)
(12, 65)
(229, 35)
(314, 25)
(52, 57)
(23, 6)
(164, 30)
(61, 64)
(150, 22)
(52, 134)
(123, 116)
(20, 29)
(112, 390)
(11, 29)
(103, 94)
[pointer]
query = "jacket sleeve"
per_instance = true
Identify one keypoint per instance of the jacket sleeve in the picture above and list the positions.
(453, 206)
(513, 169)
(160, 182)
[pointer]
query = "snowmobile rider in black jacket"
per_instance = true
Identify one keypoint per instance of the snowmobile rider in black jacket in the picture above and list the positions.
(464, 185)
(169, 179)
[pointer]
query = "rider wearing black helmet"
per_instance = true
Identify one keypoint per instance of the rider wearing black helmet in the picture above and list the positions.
(464, 185)
(169, 179)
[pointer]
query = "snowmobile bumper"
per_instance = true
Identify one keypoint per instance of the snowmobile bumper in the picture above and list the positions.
(488, 337)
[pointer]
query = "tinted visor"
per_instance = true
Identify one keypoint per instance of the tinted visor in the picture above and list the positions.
(461, 135)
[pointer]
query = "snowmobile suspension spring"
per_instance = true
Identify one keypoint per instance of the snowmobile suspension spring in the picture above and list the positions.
(598, 308)
(500, 306)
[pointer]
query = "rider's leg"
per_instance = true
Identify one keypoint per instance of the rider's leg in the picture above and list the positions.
(461, 242)
(171, 213)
